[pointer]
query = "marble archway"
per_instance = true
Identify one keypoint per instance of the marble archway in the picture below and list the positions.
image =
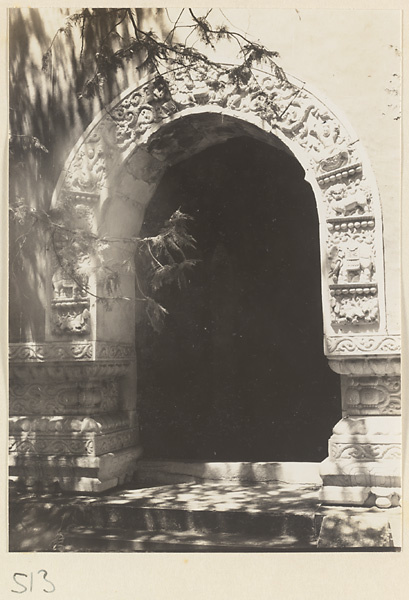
(109, 178)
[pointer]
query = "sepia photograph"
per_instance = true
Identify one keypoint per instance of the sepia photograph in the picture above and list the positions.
(204, 281)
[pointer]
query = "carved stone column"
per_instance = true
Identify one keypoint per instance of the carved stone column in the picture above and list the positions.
(68, 420)
(364, 463)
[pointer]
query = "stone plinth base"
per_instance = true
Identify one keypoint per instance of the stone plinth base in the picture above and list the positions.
(72, 415)
(364, 463)
(363, 467)
(75, 473)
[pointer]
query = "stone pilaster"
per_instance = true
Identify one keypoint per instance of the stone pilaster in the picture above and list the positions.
(364, 462)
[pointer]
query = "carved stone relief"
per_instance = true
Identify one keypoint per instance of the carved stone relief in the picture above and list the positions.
(72, 320)
(77, 351)
(380, 396)
(351, 256)
(349, 198)
(366, 344)
(63, 398)
(354, 306)
(60, 444)
(284, 106)
(102, 423)
(88, 170)
(367, 452)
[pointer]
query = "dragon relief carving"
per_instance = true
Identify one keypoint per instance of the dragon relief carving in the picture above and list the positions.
(279, 102)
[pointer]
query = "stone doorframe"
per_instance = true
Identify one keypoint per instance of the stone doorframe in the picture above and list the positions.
(78, 424)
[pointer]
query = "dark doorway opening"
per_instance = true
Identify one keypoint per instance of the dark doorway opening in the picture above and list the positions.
(238, 373)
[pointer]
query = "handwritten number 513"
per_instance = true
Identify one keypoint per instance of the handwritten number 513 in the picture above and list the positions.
(27, 582)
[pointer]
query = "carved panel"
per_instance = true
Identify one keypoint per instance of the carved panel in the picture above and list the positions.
(106, 350)
(83, 424)
(376, 396)
(354, 305)
(351, 256)
(60, 444)
(26, 352)
(88, 170)
(77, 351)
(71, 319)
(365, 344)
(63, 398)
(349, 198)
(368, 452)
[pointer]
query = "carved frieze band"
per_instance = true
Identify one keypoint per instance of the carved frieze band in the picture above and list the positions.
(365, 452)
(63, 398)
(77, 351)
(362, 344)
(81, 444)
(84, 424)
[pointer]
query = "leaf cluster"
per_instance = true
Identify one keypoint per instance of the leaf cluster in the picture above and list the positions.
(161, 260)
(149, 52)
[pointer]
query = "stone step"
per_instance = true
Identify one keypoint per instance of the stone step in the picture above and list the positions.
(197, 517)
(264, 511)
(83, 539)
(155, 472)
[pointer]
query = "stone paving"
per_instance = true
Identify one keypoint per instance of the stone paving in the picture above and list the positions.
(223, 496)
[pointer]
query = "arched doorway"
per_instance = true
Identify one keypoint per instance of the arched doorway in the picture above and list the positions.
(108, 181)
(238, 369)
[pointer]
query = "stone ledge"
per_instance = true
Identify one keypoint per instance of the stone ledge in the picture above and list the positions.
(349, 473)
(382, 497)
(373, 425)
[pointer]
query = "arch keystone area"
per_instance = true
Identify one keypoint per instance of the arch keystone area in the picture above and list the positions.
(86, 365)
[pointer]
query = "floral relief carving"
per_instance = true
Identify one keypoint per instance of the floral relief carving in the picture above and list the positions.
(377, 344)
(86, 444)
(354, 308)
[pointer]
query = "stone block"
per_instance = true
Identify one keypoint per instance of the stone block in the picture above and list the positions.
(76, 473)
(341, 530)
